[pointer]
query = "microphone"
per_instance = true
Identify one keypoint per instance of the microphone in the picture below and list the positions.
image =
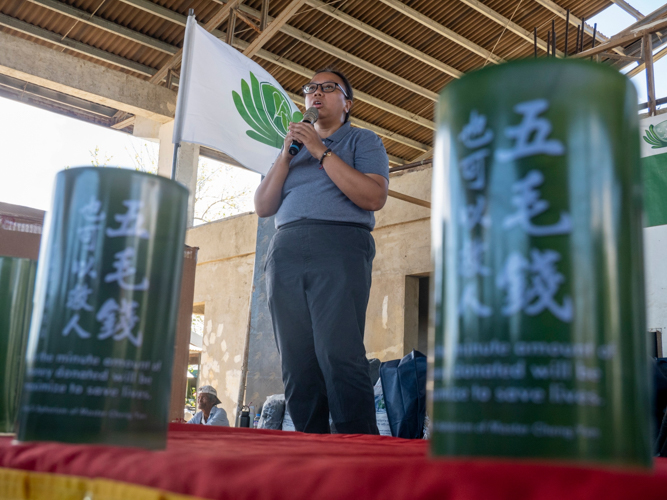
(310, 116)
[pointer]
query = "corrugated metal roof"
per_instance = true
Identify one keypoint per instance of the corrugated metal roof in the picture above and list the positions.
(97, 38)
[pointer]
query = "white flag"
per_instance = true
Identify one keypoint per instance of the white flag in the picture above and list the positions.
(230, 103)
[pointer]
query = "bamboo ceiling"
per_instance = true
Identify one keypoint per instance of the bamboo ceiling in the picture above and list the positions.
(396, 64)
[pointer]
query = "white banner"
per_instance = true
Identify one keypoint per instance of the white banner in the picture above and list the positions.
(653, 132)
(230, 103)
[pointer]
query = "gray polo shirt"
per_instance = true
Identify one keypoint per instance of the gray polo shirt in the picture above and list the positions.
(308, 193)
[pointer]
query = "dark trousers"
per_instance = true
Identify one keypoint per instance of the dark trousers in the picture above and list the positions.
(318, 278)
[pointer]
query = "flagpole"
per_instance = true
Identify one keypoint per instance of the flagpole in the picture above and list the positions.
(174, 162)
(178, 118)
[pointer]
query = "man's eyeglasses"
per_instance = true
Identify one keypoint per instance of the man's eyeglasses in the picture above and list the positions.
(327, 88)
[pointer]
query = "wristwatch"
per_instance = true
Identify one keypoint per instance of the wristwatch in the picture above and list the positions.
(326, 153)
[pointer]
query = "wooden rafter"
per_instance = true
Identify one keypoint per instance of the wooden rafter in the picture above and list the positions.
(626, 36)
(656, 57)
(264, 20)
(396, 160)
(409, 199)
(273, 27)
(84, 17)
(218, 18)
(359, 95)
(442, 30)
(157, 10)
(246, 19)
(74, 45)
(149, 6)
(383, 37)
(629, 9)
(147, 41)
(425, 156)
(653, 16)
(503, 21)
(575, 21)
(349, 58)
(126, 121)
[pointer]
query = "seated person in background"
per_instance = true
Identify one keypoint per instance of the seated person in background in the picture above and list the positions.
(207, 399)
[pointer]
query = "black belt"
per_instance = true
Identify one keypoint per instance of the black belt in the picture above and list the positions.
(319, 222)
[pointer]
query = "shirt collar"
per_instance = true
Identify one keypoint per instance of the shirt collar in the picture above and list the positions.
(338, 135)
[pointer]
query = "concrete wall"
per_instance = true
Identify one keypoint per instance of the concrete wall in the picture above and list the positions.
(222, 284)
(402, 242)
(224, 275)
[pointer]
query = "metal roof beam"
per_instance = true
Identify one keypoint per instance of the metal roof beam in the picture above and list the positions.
(440, 29)
(503, 21)
(383, 37)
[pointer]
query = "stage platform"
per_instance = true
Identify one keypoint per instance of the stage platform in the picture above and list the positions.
(228, 463)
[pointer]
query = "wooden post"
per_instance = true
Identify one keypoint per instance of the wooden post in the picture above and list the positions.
(647, 55)
(567, 31)
(170, 75)
(265, 15)
(179, 377)
(231, 24)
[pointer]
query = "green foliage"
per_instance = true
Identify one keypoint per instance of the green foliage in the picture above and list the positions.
(191, 399)
(96, 161)
(144, 157)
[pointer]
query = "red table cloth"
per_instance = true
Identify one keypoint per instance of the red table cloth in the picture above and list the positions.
(225, 463)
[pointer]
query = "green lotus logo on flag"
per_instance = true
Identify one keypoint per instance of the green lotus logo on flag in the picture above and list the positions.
(266, 110)
(656, 135)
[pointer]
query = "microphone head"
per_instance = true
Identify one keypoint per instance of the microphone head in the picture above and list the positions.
(311, 115)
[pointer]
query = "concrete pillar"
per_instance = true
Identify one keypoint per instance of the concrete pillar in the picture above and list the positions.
(146, 128)
(186, 167)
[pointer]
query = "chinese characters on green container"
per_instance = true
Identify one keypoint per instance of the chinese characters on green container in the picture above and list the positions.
(100, 354)
(535, 345)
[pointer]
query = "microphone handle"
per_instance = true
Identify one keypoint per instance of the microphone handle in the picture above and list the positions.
(296, 145)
